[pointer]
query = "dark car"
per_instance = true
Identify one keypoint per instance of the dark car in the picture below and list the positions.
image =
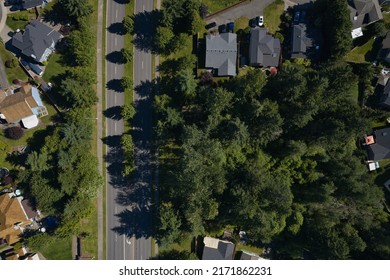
(296, 17)
(222, 28)
(230, 27)
(252, 22)
(12, 2)
(303, 16)
(211, 25)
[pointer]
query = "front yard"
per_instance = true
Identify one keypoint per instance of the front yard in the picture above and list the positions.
(272, 15)
(217, 5)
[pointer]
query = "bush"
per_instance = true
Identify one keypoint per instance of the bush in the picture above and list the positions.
(14, 132)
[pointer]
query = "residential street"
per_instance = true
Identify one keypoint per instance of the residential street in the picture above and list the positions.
(128, 201)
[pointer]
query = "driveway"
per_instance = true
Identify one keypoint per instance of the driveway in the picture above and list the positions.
(249, 9)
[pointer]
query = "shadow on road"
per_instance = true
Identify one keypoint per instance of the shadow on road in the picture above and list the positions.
(122, 1)
(115, 57)
(145, 29)
(146, 89)
(115, 85)
(116, 28)
(133, 223)
(114, 113)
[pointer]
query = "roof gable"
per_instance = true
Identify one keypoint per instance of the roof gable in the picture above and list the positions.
(221, 53)
(264, 49)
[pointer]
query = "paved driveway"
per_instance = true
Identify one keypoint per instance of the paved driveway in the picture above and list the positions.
(249, 9)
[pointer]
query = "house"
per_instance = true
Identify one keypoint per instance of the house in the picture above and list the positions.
(221, 53)
(216, 249)
(264, 50)
(385, 50)
(385, 96)
(23, 104)
(37, 41)
(301, 42)
(28, 4)
(249, 256)
(363, 13)
(378, 144)
(13, 218)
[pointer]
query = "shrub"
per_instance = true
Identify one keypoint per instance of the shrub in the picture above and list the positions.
(14, 132)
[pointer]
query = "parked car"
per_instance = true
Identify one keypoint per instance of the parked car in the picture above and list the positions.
(211, 25)
(296, 17)
(260, 21)
(25, 64)
(36, 69)
(12, 2)
(230, 27)
(222, 28)
(303, 16)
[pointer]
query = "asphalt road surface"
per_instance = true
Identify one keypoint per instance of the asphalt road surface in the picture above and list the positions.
(128, 200)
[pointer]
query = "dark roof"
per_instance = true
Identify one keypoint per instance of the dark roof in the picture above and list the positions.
(264, 50)
(30, 212)
(28, 4)
(35, 40)
(364, 12)
(385, 97)
(300, 41)
(216, 249)
(221, 53)
(381, 148)
(385, 51)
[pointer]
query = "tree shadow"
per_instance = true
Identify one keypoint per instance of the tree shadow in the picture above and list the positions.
(114, 113)
(115, 85)
(146, 89)
(116, 28)
(115, 57)
(134, 223)
(145, 30)
(122, 1)
(56, 15)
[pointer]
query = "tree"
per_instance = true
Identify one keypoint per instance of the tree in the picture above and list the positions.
(76, 9)
(378, 29)
(80, 52)
(14, 132)
(163, 39)
(128, 24)
(37, 161)
(127, 55)
(186, 83)
(128, 112)
(203, 10)
(169, 225)
(126, 83)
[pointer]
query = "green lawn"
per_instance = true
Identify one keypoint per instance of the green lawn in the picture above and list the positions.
(20, 19)
(272, 15)
(217, 5)
(241, 23)
(361, 53)
(57, 248)
(15, 72)
(54, 67)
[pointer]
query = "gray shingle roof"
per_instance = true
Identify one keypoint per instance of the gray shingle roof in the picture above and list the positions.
(221, 53)
(28, 4)
(364, 12)
(35, 40)
(264, 50)
(300, 41)
(381, 148)
(219, 249)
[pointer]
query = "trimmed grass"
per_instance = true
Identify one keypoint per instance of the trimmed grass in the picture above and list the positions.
(241, 23)
(249, 248)
(360, 54)
(54, 67)
(217, 5)
(20, 19)
(57, 249)
(129, 67)
(272, 15)
(15, 72)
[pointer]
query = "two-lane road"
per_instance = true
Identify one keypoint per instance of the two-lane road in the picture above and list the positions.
(128, 201)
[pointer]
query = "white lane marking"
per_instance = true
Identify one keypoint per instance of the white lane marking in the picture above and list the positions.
(116, 41)
(142, 64)
(115, 70)
(115, 98)
(115, 126)
(143, 8)
(116, 14)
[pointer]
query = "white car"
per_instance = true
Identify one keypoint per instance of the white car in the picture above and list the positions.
(260, 21)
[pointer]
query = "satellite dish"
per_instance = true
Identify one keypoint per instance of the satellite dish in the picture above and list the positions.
(18, 192)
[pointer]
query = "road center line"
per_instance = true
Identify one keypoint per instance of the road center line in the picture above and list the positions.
(115, 126)
(142, 64)
(116, 14)
(115, 70)
(116, 41)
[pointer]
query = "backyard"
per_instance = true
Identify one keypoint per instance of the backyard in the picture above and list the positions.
(362, 53)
